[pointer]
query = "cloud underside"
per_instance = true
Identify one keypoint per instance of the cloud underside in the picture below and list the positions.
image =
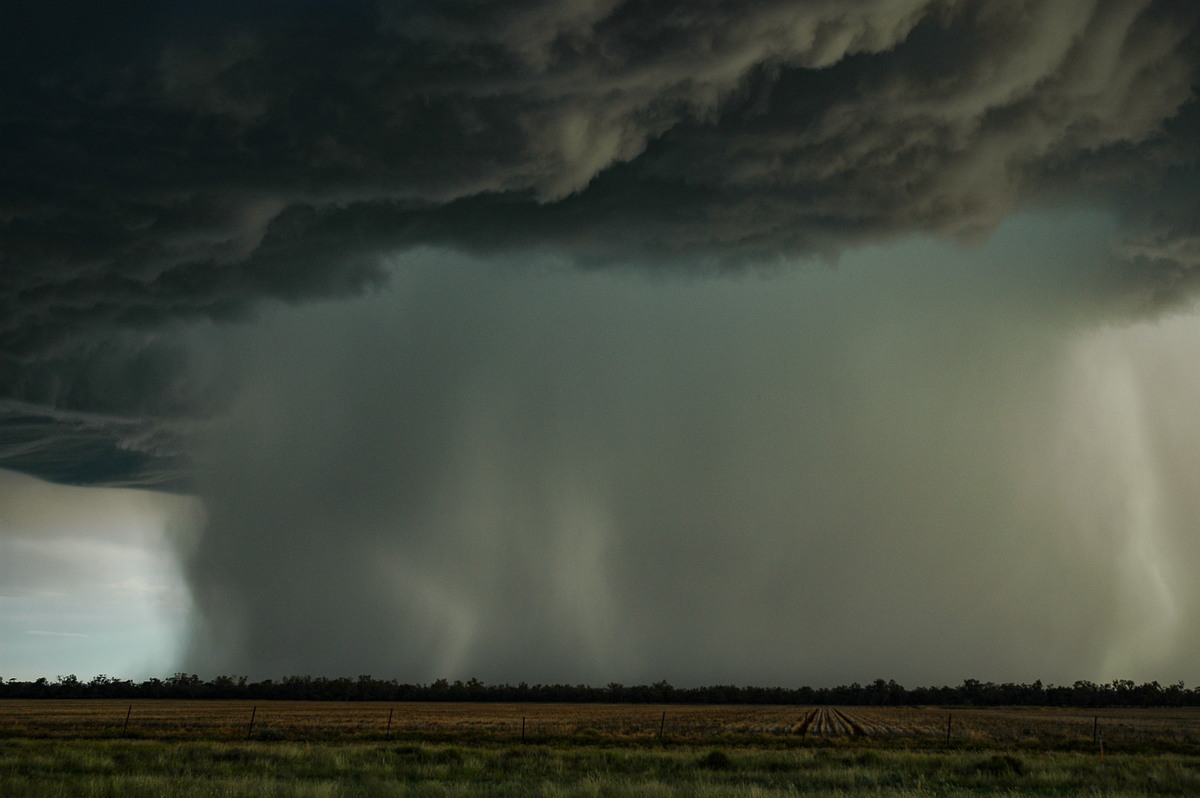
(279, 152)
(183, 183)
(177, 163)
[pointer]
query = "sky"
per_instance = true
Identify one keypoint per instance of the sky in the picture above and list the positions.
(599, 340)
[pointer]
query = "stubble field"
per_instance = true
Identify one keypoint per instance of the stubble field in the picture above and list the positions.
(1032, 727)
(231, 748)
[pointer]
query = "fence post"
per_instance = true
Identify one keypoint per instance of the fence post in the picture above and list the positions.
(250, 730)
(125, 728)
(522, 729)
(662, 724)
(949, 717)
(1095, 728)
(389, 726)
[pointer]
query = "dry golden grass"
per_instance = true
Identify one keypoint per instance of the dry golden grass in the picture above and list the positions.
(298, 720)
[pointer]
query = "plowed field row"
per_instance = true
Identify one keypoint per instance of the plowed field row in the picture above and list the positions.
(366, 720)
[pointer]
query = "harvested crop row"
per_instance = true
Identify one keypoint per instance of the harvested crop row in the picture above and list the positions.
(230, 720)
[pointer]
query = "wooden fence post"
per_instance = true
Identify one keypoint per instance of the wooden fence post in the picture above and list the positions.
(125, 728)
(949, 717)
(389, 726)
(250, 730)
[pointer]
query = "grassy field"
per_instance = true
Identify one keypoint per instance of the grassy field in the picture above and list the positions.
(83, 748)
(136, 768)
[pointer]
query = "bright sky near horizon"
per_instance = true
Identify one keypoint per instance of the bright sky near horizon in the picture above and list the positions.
(89, 581)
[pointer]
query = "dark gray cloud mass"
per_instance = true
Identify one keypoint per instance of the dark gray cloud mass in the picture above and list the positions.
(171, 160)
(170, 171)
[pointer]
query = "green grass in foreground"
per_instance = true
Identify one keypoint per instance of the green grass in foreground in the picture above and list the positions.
(137, 768)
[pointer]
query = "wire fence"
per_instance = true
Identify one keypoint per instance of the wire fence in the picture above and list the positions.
(300, 720)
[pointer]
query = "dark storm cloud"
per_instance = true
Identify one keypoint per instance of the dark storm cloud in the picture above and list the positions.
(89, 449)
(499, 490)
(179, 160)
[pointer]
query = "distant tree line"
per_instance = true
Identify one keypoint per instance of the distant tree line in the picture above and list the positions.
(1118, 693)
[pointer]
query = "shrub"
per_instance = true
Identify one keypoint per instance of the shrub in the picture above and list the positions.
(716, 760)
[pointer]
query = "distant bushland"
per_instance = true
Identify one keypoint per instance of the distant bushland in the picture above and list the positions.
(1118, 693)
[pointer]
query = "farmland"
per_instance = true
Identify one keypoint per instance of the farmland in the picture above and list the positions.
(1028, 727)
(239, 748)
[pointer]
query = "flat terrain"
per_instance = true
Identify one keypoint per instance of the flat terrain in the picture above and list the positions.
(1026, 727)
(194, 749)
(50, 768)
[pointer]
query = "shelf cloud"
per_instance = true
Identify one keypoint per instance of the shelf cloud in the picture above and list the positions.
(536, 326)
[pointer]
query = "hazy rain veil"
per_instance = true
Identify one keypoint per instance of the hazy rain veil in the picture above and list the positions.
(916, 468)
(592, 340)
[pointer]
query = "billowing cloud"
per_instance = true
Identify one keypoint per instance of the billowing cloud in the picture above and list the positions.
(171, 162)
(176, 175)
